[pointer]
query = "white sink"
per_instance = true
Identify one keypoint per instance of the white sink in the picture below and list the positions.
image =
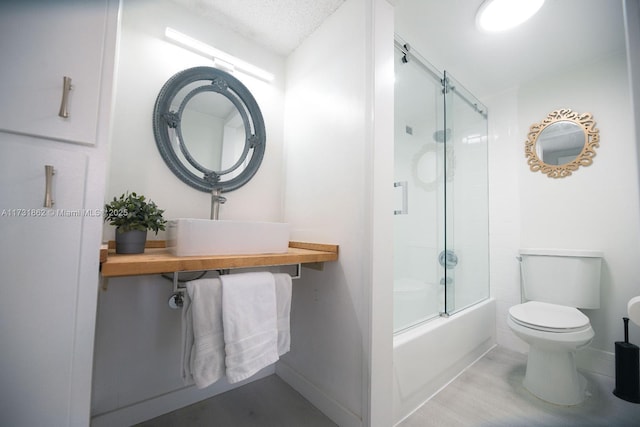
(192, 237)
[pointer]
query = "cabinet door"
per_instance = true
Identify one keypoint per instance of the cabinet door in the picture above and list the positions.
(39, 264)
(41, 42)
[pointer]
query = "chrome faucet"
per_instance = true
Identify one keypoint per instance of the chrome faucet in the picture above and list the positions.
(216, 200)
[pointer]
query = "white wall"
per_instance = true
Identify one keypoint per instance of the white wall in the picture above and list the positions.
(595, 208)
(138, 337)
(506, 153)
(379, 344)
(632, 33)
(330, 189)
(324, 202)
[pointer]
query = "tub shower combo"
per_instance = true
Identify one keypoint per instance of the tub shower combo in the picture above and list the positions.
(443, 317)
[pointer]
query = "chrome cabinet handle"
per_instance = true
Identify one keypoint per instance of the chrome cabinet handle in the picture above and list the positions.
(48, 174)
(405, 198)
(64, 105)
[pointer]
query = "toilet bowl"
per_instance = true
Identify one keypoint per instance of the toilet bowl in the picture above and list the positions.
(554, 283)
(554, 333)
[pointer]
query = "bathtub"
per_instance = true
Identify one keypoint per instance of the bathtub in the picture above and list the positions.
(430, 355)
(415, 301)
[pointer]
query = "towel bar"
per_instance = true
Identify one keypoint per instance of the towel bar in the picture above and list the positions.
(175, 301)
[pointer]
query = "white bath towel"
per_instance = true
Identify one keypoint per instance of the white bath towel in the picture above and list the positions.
(283, 306)
(249, 316)
(203, 337)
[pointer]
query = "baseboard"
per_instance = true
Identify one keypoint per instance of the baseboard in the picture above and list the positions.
(597, 361)
(165, 403)
(325, 403)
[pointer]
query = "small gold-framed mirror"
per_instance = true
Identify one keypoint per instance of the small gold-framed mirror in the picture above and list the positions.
(561, 143)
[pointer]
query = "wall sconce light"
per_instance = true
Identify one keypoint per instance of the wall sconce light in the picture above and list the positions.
(220, 59)
(500, 15)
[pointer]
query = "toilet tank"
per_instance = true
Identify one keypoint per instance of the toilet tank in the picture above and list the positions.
(559, 276)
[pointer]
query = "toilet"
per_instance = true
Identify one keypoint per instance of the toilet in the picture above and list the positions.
(555, 283)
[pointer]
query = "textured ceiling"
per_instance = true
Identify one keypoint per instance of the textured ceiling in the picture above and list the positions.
(280, 25)
(563, 34)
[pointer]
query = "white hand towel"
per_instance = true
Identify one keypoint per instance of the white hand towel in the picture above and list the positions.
(203, 361)
(249, 317)
(283, 305)
(187, 339)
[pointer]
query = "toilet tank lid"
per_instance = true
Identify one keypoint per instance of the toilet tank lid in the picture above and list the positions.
(563, 252)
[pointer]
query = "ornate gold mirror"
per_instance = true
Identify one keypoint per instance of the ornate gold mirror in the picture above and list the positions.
(561, 143)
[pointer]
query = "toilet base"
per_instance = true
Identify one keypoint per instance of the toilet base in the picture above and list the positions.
(552, 376)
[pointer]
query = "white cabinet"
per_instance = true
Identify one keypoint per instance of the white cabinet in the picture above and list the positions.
(42, 41)
(39, 261)
(49, 257)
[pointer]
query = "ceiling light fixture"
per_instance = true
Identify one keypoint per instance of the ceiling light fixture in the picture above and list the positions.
(220, 59)
(501, 15)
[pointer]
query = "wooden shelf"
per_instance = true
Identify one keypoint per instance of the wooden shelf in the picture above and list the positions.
(156, 259)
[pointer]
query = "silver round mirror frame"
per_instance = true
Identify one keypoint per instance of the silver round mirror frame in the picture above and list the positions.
(164, 119)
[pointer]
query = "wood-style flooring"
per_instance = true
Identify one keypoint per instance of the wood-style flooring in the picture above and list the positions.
(488, 394)
(268, 402)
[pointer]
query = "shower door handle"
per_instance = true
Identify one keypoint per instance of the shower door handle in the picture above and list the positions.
(405, 197)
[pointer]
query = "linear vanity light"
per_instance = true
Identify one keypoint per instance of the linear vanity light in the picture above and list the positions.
(221, 59)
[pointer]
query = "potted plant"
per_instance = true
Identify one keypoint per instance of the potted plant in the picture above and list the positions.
(133, 215)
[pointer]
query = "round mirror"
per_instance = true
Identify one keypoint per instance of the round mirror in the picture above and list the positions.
(209, 129)
(561, 143)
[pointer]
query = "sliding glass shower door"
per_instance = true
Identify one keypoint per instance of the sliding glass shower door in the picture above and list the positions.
(440, 212)
(419, 168)
(466, 236)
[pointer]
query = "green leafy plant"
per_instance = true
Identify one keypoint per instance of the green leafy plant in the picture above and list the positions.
(133, 212)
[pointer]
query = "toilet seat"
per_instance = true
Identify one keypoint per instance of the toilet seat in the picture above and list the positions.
(548, 317)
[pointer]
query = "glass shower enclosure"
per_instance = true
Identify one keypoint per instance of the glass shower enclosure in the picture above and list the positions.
(441, 260)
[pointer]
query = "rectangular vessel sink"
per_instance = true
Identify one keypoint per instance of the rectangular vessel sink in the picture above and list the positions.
(193, 237)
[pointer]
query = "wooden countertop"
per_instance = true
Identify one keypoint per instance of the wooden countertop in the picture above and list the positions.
(157, 259)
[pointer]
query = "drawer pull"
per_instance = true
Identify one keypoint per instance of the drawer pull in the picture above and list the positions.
(64, 105)
(48, 173)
